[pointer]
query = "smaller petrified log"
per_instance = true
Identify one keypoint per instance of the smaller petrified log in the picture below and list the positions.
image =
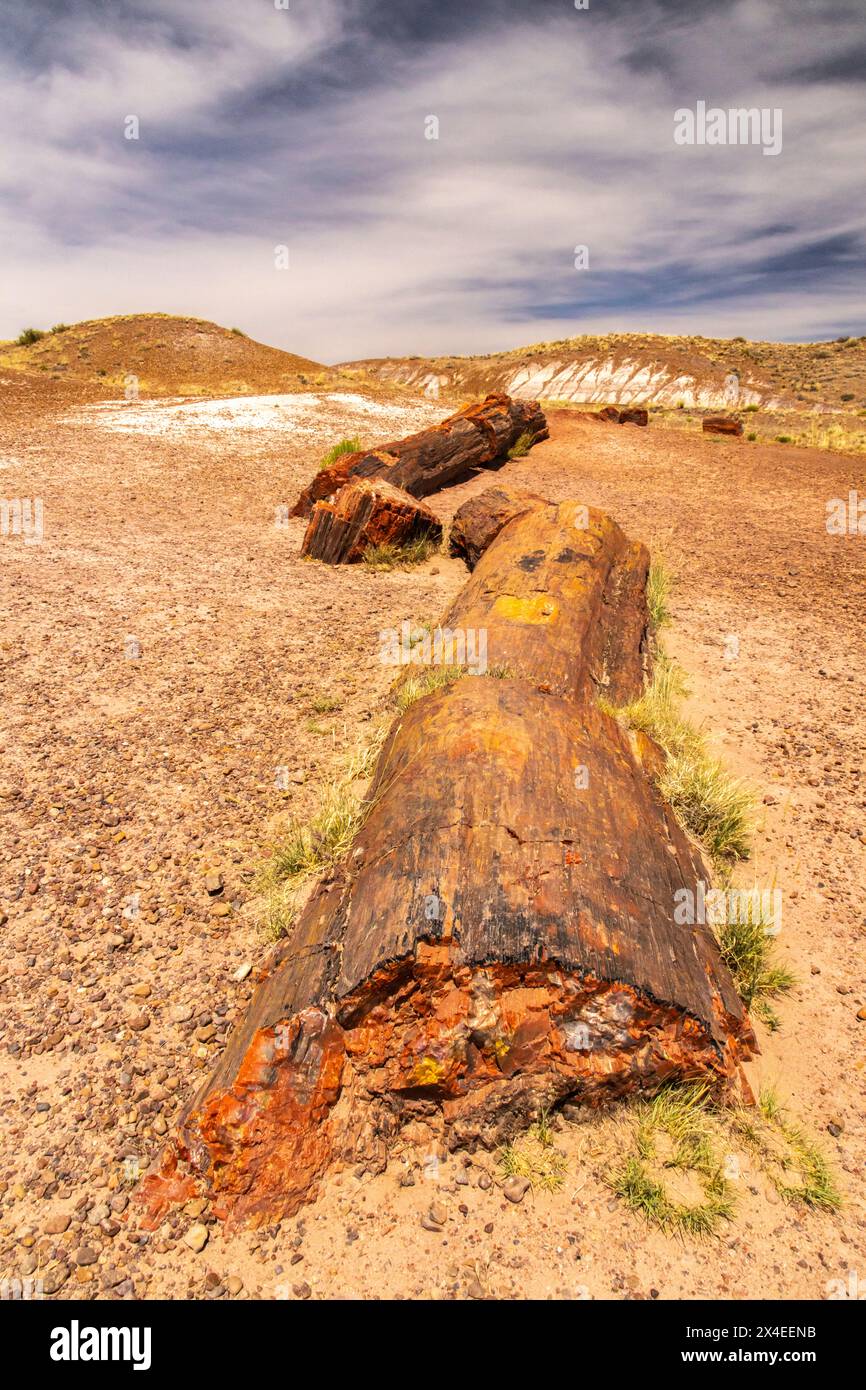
(477, 436)
(479, 521)
(366, 512)
(634, 415)
(628, 415)
(722, 424)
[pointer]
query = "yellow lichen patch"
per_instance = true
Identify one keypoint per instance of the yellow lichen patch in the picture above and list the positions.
(427, 1072)
(537, 608)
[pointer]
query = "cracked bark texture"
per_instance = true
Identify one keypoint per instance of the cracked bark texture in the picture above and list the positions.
(502, 935)
(477, 436)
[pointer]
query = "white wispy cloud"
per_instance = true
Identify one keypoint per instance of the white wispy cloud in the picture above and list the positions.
(261, 127)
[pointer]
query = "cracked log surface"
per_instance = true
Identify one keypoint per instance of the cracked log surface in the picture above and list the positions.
(502, 935)
(365, 513)
(478, 436)
(478, 522)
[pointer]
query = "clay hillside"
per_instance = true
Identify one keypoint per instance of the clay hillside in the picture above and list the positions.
(167, 356)
(648, 368)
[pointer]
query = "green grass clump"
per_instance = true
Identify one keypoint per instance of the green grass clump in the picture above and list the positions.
(675, 1179)
(416, 685)
(658, 588)
(345, 446)
(717, 808)
(60, 328)
(794, 1163)
(388, 556)
(521, 446)
(28, 336)
(747, 950)
(323, 704)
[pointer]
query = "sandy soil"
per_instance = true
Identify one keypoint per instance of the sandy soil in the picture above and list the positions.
(127, 779)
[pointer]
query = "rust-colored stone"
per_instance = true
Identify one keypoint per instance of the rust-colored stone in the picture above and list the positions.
(722, 424)
(478, 522)
(477, 436)
(504, 934)
(366, 512)
(634, 415)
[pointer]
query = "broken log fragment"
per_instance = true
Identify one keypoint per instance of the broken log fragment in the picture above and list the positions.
(478, 436)
(626, 415)
(366, 512)
(478, 522)
(504, 934)
(722, 424)
(634, 415)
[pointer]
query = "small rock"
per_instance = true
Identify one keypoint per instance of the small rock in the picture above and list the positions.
(196, 1237)
(515, 1189)
(301, 1290)
(213, 884)
(138, 1022)
(86, 1255)
(242, 972)
(234, 1284)
(56, 1225)
(835, 1128)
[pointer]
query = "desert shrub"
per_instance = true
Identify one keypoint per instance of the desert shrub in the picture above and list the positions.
(28, 336)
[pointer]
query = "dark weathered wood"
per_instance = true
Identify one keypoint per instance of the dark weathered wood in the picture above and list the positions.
(561, 598)
(478, 436)
(478, 522)
(722, 424)
(625, 415)
(366, 512)
(504, 933)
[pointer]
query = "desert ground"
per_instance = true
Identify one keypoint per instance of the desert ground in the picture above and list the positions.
(165, 651)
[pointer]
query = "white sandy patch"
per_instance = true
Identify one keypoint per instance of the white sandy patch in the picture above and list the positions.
(303, 414)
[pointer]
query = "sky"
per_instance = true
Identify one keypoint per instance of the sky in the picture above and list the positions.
(307, 128)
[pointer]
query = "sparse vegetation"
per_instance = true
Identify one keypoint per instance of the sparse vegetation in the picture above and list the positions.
(794, 1163)
(521, 446)
(388, 556)
(28, 336)
(534, 1156)
(345, 446)
(748, 950)
(305, 847)
(714, 806)
(658, 588)
(675, 1179)
(415, 685)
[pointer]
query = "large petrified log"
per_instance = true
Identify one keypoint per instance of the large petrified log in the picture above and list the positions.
(366, 512)
(479, 521)
(503, 934)
(477, 436)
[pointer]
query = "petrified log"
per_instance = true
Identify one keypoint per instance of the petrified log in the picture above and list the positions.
(366, 512)
(634, 415)
(477, 436)
(722, 424)
(560, 596)
(479, 521)
(626, 415)
(503, 934)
